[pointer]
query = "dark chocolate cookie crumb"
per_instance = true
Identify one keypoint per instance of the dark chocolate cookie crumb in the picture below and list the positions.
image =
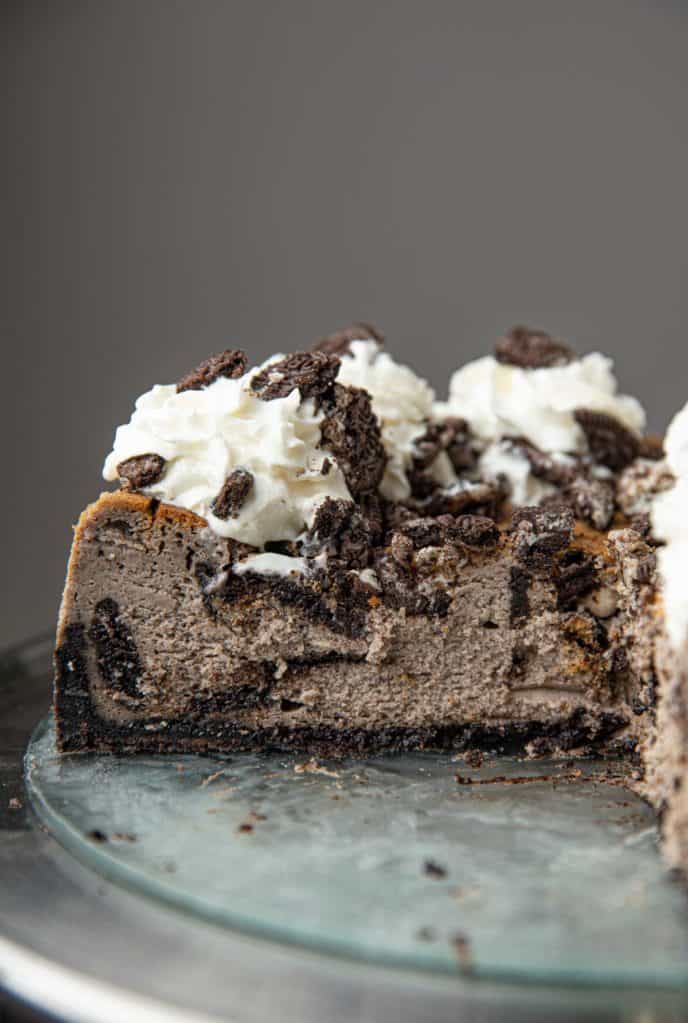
(313, 373)
(231, 363)
(339, 343)
(542, 465)
(471, 530)
(451, 435)
(540, 533)
(140, 471)
(431, 868)
(532, 349)
(423, 532)
(519, 582)
(610, 442)
(344, 532)
(576, 575)
(467, 498)
(234, 494)
(117, 656)
(592, 500)
(351, 432)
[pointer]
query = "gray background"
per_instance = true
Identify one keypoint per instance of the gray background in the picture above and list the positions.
(181, 177)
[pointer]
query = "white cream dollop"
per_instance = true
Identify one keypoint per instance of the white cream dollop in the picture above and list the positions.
(204, 435)
(499, 401)
(670, 523)
(403, 403)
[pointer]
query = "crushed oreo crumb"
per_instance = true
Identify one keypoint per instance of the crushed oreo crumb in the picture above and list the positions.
(480, 498)
(592, 500)
(576, 575)
(140, 471)
(610, 442)
(431, 868)
(541, 532)
(543, 465)
(519, 582)
(231, 363)
(234, 494)
(423, 532)
(345, 532)
(351, 432)
(339, 343)
(313, 373)
(451, 435)
(532, 349)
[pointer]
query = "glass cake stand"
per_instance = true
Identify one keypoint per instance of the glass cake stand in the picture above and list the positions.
(398, 887)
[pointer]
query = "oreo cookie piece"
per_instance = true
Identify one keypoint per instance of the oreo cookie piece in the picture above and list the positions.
(231, 363)
(544, 466)
(350, 430)
(140, 471)
(339, 343)
(313, 373)
(482, 498)
(344, 532)
(541, 533)
(651, 447)
(452, 436)
(532, 349)
(576, 575)
(234, 494)
(592, 500)
(610, 442)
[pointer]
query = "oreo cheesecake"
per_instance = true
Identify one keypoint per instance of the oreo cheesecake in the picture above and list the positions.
(315, 554)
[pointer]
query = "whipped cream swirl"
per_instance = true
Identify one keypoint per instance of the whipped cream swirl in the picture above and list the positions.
(500, 401)
(670, 523)
(205, 435)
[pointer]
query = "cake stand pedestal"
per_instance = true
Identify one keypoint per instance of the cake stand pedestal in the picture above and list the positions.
(247, 888)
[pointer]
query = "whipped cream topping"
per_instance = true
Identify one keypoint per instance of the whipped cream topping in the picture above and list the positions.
(402, 402)
(670, 523)
(500, 400)
(204, 435)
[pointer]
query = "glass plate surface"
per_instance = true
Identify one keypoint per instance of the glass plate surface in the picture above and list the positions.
(544, 872)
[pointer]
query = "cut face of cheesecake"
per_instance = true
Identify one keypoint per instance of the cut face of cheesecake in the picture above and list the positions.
(464, 632)
(317, 555)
